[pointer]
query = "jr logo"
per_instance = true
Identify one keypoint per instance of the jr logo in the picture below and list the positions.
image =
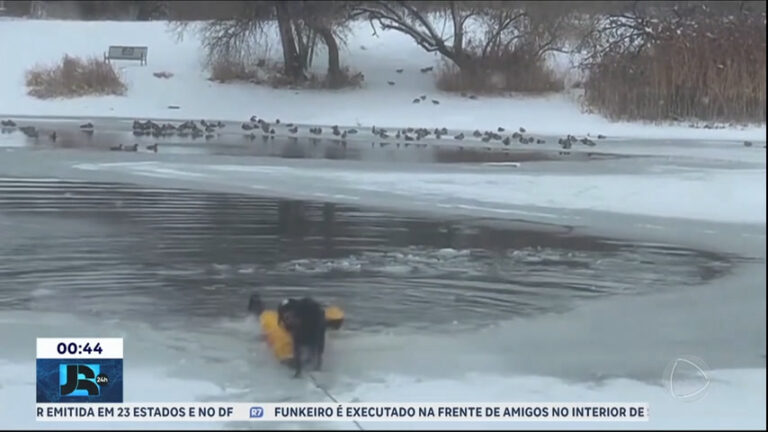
(79, 379)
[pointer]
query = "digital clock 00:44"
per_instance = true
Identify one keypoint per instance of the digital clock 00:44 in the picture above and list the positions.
(79, 370)
(80, 348)
(76, 348)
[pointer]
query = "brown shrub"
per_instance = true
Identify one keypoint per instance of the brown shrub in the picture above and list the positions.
(226, 70)
(511, 71)
(271, 74)
(74, 77)
(711, 70)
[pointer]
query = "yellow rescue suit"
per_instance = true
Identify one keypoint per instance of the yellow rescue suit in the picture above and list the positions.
(280, 340)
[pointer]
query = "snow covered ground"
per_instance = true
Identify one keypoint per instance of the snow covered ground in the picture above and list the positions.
(377, 103)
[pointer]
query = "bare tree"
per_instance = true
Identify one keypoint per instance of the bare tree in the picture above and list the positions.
(505, 25)
(299, 25)
(414, 20)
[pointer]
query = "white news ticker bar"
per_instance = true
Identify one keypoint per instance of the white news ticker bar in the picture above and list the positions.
(358, 411)
(77, 348)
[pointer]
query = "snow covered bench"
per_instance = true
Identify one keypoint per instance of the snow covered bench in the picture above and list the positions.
(126, 53)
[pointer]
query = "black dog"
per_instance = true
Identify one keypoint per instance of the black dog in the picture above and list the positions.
(305, 320)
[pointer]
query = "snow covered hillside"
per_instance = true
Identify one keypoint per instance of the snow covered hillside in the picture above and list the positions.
(27, 43)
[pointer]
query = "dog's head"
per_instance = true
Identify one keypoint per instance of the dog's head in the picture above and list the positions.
(255, 305)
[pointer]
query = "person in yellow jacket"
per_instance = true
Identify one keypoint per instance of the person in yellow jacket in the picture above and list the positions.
(278, 338)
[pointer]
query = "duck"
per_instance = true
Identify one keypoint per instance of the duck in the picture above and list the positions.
(399, 70)
(476, 133)
(117, 147)
(500, 129)
(88, 125)
(417, 100)
(435, 102)
(152, 147)
(29, 131)
(391, 83)
(132, 148)
(540, 141)
(247, 126)
(507, 141)
(293, 130)
(459, 136)
(522, 129)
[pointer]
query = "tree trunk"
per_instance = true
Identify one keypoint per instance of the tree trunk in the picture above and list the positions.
(458, 30)
(303, 35)
(292, 63)
(334, 68)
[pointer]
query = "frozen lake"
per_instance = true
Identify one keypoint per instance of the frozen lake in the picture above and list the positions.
(566, 278)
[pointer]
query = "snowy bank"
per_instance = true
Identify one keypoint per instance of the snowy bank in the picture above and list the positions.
(376, 103)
